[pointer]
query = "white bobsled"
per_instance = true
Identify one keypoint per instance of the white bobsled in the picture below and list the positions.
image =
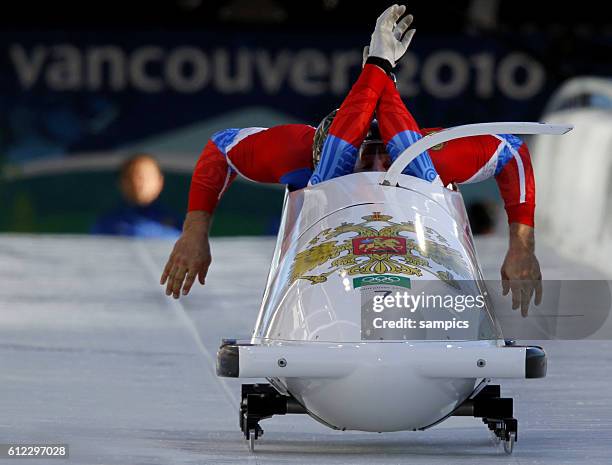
(317, 338)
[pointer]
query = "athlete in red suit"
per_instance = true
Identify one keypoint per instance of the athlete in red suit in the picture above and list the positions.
(283, 154)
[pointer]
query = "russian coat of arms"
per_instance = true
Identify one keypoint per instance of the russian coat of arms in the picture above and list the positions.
(392, 248)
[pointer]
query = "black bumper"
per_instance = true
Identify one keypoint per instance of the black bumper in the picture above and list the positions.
(228, 364)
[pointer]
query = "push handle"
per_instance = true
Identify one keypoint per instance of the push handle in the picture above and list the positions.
(457, 132)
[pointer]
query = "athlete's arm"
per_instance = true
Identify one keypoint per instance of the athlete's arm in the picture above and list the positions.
(506, 157)
(520, 272)
(399, 131)
(190, 256)
(211, 177)
(281, 154)
(350, 125)
(388, 43)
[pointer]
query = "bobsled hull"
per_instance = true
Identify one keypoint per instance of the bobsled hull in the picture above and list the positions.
(339, 241)
(382, 386)
(337, 235)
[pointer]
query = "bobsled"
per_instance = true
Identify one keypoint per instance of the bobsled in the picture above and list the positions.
(322, 338)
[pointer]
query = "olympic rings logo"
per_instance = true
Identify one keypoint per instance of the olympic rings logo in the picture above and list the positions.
(381, 279)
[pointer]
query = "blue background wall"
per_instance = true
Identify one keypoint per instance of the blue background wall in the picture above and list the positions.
(75, 101)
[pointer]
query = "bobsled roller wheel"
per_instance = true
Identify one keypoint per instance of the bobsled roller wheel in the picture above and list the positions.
(252, 434)
(504, 431)
(509, 443)
(261, 401)
(496, 413)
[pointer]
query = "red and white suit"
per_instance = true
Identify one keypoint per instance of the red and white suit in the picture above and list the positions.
(283, 154)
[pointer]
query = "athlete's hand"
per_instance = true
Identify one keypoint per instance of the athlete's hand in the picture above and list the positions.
(391, 37)
(190, 256)
(520, 271)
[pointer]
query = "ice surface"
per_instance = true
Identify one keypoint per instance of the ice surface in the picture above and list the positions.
(93, 354)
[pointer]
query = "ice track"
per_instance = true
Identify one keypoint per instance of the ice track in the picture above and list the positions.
(94, 355)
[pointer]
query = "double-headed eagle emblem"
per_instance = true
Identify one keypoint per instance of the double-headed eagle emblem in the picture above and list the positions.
(377, 251)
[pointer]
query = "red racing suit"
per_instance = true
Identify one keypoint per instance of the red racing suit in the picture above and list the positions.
(283, 154)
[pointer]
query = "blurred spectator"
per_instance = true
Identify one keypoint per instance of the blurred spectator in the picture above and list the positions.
(140, 181)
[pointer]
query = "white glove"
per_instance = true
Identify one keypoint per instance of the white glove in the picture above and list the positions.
(387, 41)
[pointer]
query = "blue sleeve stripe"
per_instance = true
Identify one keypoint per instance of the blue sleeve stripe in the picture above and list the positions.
(422, 166)
(511, 144)
(224, 138)
(327, 157)
(400, 142)
(296, 179)
(337, 159)
(333, 149)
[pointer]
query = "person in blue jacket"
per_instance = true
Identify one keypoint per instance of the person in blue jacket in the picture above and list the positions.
(141, 215)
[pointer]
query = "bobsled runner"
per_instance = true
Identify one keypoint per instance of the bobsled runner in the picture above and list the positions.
(328, 352)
